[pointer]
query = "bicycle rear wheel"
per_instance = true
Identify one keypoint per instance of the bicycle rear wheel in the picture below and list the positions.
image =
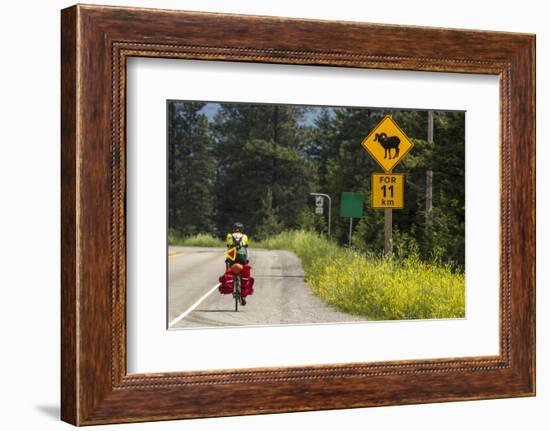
(237, 292)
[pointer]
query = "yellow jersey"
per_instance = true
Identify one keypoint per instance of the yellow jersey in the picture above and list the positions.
(233, 239)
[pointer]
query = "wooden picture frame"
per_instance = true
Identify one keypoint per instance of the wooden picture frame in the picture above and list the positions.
(95, 43)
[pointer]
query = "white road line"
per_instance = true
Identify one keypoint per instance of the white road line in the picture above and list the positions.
(195, 305)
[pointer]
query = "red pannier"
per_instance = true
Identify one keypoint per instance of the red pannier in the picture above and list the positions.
(247, 282)
(226, 283)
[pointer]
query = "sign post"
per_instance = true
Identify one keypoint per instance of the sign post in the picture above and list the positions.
(351, 205)
(429, 173)
(387, 144)
(350, 231)
(388, 232)
(323, 195)
(387, 193)
(319, 203)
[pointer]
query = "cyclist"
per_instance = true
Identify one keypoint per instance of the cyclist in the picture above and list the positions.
(238, 239)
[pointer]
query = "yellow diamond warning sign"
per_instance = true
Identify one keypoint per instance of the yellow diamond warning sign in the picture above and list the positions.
(387, 143)
(231, 254)
(387, 190)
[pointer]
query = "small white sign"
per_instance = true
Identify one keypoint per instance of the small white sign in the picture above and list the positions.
(319, 201)
(318, 210)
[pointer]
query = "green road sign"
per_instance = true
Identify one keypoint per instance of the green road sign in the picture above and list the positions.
(351, 205)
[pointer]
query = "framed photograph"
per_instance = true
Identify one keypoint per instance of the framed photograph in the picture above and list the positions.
(264, 214)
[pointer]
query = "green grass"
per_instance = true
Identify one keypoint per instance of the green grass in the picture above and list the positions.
(375, 288)
(199, 240)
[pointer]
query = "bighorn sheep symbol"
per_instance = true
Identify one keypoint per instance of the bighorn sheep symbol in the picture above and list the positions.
(388, 144)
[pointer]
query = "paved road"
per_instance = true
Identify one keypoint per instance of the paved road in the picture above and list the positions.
(281, 295)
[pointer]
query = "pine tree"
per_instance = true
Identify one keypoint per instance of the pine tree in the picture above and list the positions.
(260, 147)
(269, 223)
(191, 169)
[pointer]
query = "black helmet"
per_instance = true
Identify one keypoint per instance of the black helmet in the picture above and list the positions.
(238, 227)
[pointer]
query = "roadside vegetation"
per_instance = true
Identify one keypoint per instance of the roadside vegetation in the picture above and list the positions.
(377, 288)
(198, 240)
